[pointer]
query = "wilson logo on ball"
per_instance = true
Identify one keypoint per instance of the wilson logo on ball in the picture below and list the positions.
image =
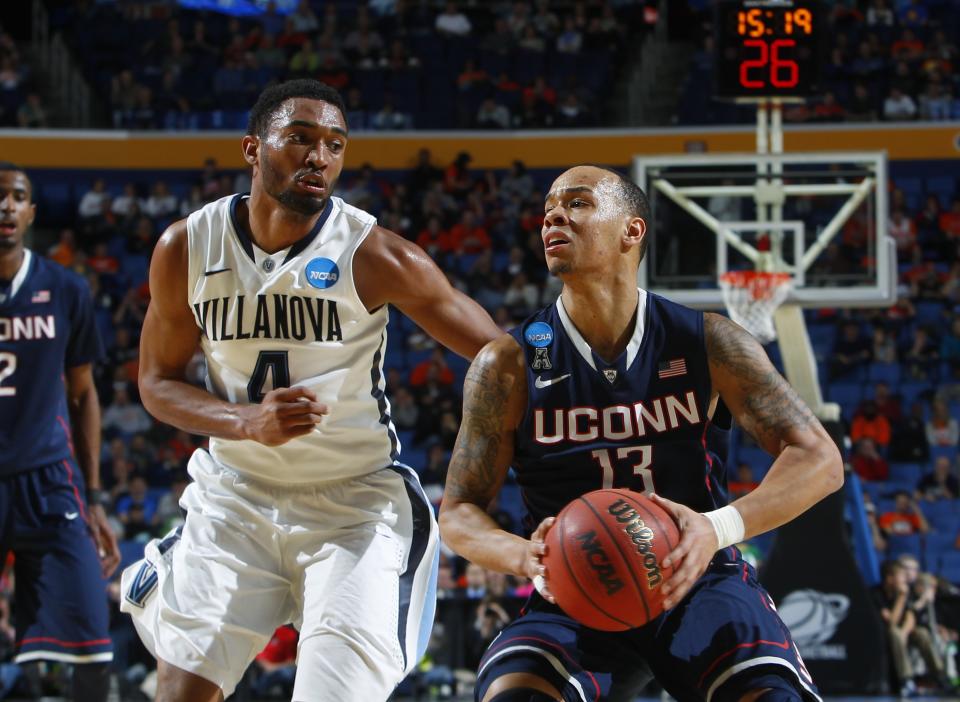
(642, 537)
(600, 562)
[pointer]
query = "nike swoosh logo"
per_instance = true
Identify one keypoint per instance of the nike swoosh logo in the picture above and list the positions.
(71, 515)
(541, 383)
(219, 270)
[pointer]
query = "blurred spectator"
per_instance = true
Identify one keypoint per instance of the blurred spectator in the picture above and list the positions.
(303, 18)
(920, 354)
(909, 441)
(867, 461)
(570, 39)
(942, 428)
(904, 232)
(887, 403)
(949, 222)
(921, 601)
(890, 598)
(870, 424)
(935, 103)
(137, 509)
(899, 106)
(387, 119)
(162, 203)
(457, 180)
(884, 346)
(950, 344)
(123, 417)
(468, 236)
(434, 367)
(850, 352)
(403, 408)
(905, 518)
(305, 61)
(123, 205)
(452, 22)
(32, 114)
(95, 203)
(861, 106)
(940, 483)
(492, 115)
(65, 250)
(275, 666)
(474, 582)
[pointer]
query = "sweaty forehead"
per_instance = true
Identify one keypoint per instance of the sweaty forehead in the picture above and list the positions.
(317, 112)
(14, 180)
(596, 179)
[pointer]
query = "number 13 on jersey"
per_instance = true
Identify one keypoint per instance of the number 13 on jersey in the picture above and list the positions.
(642, 454)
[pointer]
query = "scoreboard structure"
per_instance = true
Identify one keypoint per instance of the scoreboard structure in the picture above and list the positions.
(768, 48)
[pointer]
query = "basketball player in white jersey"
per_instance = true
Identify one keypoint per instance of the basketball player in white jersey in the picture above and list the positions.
(301, 511)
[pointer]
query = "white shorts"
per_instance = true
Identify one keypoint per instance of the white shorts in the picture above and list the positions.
(352, 565)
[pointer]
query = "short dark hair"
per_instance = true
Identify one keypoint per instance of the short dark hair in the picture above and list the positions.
(633, 196)
(275, 95)
(12, 167)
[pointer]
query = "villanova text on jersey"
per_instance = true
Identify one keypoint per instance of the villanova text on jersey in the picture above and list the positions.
(292, 317)
(46, 325)
(640, 422)
(274, 316)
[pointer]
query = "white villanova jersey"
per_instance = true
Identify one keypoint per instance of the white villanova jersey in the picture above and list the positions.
(293, 318)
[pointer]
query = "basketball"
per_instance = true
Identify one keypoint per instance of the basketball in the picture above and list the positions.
(604, 559)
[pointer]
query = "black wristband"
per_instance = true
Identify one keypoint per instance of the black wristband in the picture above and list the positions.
(96, 496)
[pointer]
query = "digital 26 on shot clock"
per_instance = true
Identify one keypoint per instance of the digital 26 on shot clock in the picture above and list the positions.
(768, 48)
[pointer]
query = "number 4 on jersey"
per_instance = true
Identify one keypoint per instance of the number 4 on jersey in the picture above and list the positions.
(275, 364)
(602, 456)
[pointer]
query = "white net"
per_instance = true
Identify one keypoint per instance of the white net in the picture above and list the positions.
(752, 297)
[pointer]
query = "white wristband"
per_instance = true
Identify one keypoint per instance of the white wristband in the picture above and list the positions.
(728, 524)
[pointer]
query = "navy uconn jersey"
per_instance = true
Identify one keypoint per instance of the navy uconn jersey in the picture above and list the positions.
(639, 423)
(46, 325)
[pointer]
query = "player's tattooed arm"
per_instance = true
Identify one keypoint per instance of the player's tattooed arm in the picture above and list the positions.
(494, 395)
(770, 409)
(473, 475)
(807, 464)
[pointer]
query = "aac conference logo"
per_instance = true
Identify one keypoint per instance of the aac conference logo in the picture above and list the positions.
(322, 273)
(812, 618)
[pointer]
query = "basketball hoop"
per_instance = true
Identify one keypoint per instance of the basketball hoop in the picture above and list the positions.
(752, 297)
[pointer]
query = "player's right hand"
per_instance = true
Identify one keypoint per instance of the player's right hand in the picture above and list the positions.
(283, 414)
(533, 563)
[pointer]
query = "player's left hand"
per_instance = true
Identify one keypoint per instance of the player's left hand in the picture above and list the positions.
(690, 558)
(104, 539)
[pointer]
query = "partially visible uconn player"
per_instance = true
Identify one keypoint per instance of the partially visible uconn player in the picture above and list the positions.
(301, 511)
(51, 507)
(617, 387)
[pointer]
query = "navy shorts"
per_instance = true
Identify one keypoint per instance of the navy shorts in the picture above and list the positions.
(723, 640)
(61, 598)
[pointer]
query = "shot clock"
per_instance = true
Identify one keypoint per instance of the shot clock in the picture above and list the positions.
(768, 48)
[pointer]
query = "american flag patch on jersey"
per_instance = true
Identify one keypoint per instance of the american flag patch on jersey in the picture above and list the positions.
(40, 296)
(670, 369)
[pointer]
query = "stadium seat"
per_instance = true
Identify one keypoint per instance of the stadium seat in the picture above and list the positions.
(847, 395)
(909, 473)
(942, 516)
(888, 373)
(950, 566)
(130, 552)
(935, 545)
(899, 544)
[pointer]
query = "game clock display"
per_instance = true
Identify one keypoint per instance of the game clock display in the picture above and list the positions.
(768, 48)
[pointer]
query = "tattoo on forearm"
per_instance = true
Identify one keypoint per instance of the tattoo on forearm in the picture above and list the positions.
(472, 476)
(773, 406)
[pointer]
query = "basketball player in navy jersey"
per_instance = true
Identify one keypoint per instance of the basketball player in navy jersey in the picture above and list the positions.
(617, 387)
(301, 511)
(51, 507)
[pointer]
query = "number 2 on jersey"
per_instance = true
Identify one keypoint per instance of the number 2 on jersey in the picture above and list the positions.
(602, 456)
(8, 364)
(277, 365)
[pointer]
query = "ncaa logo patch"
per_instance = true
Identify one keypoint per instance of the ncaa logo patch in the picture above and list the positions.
(539, 335)
(322, 273)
